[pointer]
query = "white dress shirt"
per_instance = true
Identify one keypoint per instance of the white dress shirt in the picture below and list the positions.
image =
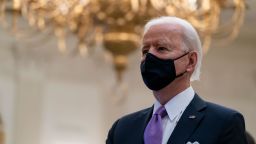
(175, 108)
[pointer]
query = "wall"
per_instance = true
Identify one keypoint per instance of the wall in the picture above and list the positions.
(49, 98)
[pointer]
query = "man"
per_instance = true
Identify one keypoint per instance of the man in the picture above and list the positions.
(171, 59)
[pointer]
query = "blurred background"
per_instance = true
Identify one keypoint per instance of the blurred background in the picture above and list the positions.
(69, 69)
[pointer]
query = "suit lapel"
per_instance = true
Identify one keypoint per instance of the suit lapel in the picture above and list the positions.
(188, 122)
(146, 116)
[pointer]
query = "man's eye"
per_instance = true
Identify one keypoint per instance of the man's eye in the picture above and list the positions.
(144, 52)
(162, 48)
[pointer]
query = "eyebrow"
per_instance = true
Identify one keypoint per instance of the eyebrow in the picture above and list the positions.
(166, 44)
(160, 42)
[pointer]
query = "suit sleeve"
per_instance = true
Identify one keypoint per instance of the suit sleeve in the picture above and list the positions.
(234, 132)
(111, 134)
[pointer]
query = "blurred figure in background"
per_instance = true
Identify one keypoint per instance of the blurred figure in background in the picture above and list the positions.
(250, 138)
(1, 131)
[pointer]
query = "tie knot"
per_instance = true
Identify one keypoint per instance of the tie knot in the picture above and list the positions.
(161, 111)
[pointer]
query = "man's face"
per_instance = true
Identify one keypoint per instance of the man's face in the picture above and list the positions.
(165, 42)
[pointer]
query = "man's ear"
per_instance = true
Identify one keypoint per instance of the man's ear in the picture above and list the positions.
(192, 57)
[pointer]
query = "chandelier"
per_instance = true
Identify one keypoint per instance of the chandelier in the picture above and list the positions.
(117, 24)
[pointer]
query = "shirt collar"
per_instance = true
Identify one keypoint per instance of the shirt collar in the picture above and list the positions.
(178, 103)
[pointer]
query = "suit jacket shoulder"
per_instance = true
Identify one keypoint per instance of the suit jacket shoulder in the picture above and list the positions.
(202, 121)
(130, 128)
(220, 111)
(211, 124)
(230, 123)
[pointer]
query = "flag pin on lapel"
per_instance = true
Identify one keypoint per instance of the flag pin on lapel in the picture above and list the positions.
(192, 117)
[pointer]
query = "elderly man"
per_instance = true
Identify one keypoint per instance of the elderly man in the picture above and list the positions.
(171, 59)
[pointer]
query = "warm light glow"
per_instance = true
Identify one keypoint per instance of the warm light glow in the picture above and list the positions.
(121, 21)
(16, 4)
(73, 14)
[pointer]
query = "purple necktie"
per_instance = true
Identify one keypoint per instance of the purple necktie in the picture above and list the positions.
(154, 132)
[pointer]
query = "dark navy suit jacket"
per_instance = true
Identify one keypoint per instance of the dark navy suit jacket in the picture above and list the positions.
(204, 122)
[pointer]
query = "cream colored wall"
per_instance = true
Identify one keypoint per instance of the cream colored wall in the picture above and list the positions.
(60, 99)
(49, 98)
(229, 78)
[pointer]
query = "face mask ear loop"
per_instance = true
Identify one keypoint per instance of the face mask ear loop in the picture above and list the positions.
(181, 56)
(181, 74)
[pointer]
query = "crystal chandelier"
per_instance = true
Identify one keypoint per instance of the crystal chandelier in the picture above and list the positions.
(117, 24)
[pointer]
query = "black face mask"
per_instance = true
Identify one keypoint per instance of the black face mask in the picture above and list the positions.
(158, 73)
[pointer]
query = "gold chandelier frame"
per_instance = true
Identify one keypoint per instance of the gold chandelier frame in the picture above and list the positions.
(117, 24)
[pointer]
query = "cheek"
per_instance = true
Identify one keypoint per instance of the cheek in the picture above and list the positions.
(142, 58)
(180, 66)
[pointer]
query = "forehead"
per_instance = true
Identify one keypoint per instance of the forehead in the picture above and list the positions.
(163, 33)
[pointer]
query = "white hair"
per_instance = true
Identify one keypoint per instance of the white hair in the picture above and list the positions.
(191, 40)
